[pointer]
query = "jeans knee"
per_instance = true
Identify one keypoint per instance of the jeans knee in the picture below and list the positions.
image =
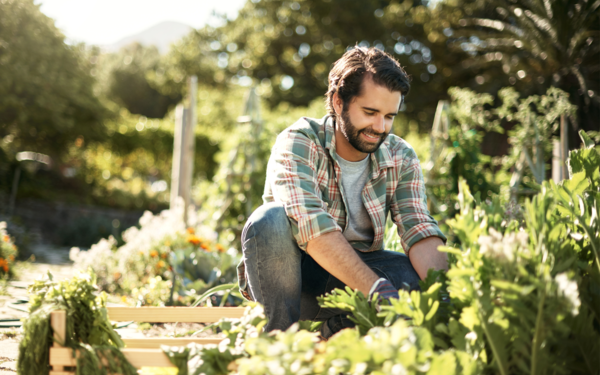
(268, 219)
(268, 228)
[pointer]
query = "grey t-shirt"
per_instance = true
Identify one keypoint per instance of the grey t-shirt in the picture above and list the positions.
(354, 179)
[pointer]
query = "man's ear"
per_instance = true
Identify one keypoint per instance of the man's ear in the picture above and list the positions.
(338, 105)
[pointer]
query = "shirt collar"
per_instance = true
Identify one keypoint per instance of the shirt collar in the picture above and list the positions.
(380, 159)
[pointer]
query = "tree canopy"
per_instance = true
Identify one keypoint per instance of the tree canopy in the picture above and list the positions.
(46, 90)
(287, 48)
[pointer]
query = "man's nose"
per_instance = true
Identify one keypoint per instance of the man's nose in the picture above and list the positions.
(379, 125)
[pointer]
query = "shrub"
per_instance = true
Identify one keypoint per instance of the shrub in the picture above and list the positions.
(161, 262)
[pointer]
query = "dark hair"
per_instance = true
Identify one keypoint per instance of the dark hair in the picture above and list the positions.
(348, 72)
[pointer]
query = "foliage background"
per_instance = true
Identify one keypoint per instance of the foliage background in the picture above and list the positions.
(107, 119)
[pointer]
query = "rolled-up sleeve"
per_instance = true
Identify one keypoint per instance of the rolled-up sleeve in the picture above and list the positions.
(291, 179)
(409, 208)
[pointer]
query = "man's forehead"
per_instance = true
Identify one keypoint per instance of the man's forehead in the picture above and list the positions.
(372, 92)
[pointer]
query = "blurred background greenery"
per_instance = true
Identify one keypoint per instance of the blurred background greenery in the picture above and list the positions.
(106, 118)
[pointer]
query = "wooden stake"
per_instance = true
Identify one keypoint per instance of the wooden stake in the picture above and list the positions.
(184, 145)
(58, 322)
(564, 146)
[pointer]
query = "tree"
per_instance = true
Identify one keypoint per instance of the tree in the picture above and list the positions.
(288, 49)
(46, 98)
(532, 45)
(123, 80)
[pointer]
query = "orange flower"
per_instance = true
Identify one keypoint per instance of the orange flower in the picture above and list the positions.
(4, 264)
(193, 239)
(6, 238)
(160, 264)
(116, 275)
(191, 230)
(163, 255)
(154, 253)
(205, 246)
(220, 248)
(11, 257)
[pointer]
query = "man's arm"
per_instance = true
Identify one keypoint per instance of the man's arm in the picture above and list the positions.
(332, 252)
(424, 255)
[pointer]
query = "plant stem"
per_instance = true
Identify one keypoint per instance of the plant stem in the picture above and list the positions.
(503, 371)
(538, 332)
(587, 231)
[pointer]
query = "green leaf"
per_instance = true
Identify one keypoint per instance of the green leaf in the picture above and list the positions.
(444, 364)
(576, 185)
(587, 141)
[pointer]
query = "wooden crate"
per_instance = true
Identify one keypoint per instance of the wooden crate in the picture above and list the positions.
(141, 352)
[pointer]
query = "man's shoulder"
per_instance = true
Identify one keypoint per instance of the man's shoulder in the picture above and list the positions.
(306, 127)
(399, 148)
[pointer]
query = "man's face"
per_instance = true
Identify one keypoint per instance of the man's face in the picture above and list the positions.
(366, 121)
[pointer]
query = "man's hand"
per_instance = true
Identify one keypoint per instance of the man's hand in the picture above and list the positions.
(384, 289)
(332, 252)
(424, 255)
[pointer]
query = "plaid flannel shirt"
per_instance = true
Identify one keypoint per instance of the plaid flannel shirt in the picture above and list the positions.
(303, 175)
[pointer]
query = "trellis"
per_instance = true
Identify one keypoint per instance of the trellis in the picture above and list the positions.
(242, 161)
(533, 158)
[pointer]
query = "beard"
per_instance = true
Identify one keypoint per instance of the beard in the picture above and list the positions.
(353, 135)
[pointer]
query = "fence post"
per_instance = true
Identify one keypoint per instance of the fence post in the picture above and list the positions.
(564, 146)
(184, 145)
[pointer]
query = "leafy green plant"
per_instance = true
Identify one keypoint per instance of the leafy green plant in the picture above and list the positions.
(87, 330)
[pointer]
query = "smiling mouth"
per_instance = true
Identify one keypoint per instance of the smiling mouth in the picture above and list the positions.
(371, 138)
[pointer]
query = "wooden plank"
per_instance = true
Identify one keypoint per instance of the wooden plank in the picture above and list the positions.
(173, 314)
(58, 322)
(137, 357)
(156, 342)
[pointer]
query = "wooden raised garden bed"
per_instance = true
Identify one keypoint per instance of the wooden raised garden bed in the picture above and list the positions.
(141, 352)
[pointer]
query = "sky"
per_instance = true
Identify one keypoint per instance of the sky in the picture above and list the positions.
(104, 22)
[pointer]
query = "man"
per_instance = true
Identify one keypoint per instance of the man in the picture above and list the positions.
(330, 185)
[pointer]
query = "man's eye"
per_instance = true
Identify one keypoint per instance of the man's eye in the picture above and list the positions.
(369, 113)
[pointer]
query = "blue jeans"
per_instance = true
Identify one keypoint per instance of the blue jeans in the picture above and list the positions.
(287, 281)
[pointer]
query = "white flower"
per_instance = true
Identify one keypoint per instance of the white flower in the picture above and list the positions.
(73, 253)
(568, 289)
(502, 247)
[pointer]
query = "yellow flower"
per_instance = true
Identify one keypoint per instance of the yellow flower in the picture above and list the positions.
(116, 275)
(191, 230)
(205, 246)
(160, 264)
(154, 253)
(11, 257)
(220, 248)
(6, 238)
